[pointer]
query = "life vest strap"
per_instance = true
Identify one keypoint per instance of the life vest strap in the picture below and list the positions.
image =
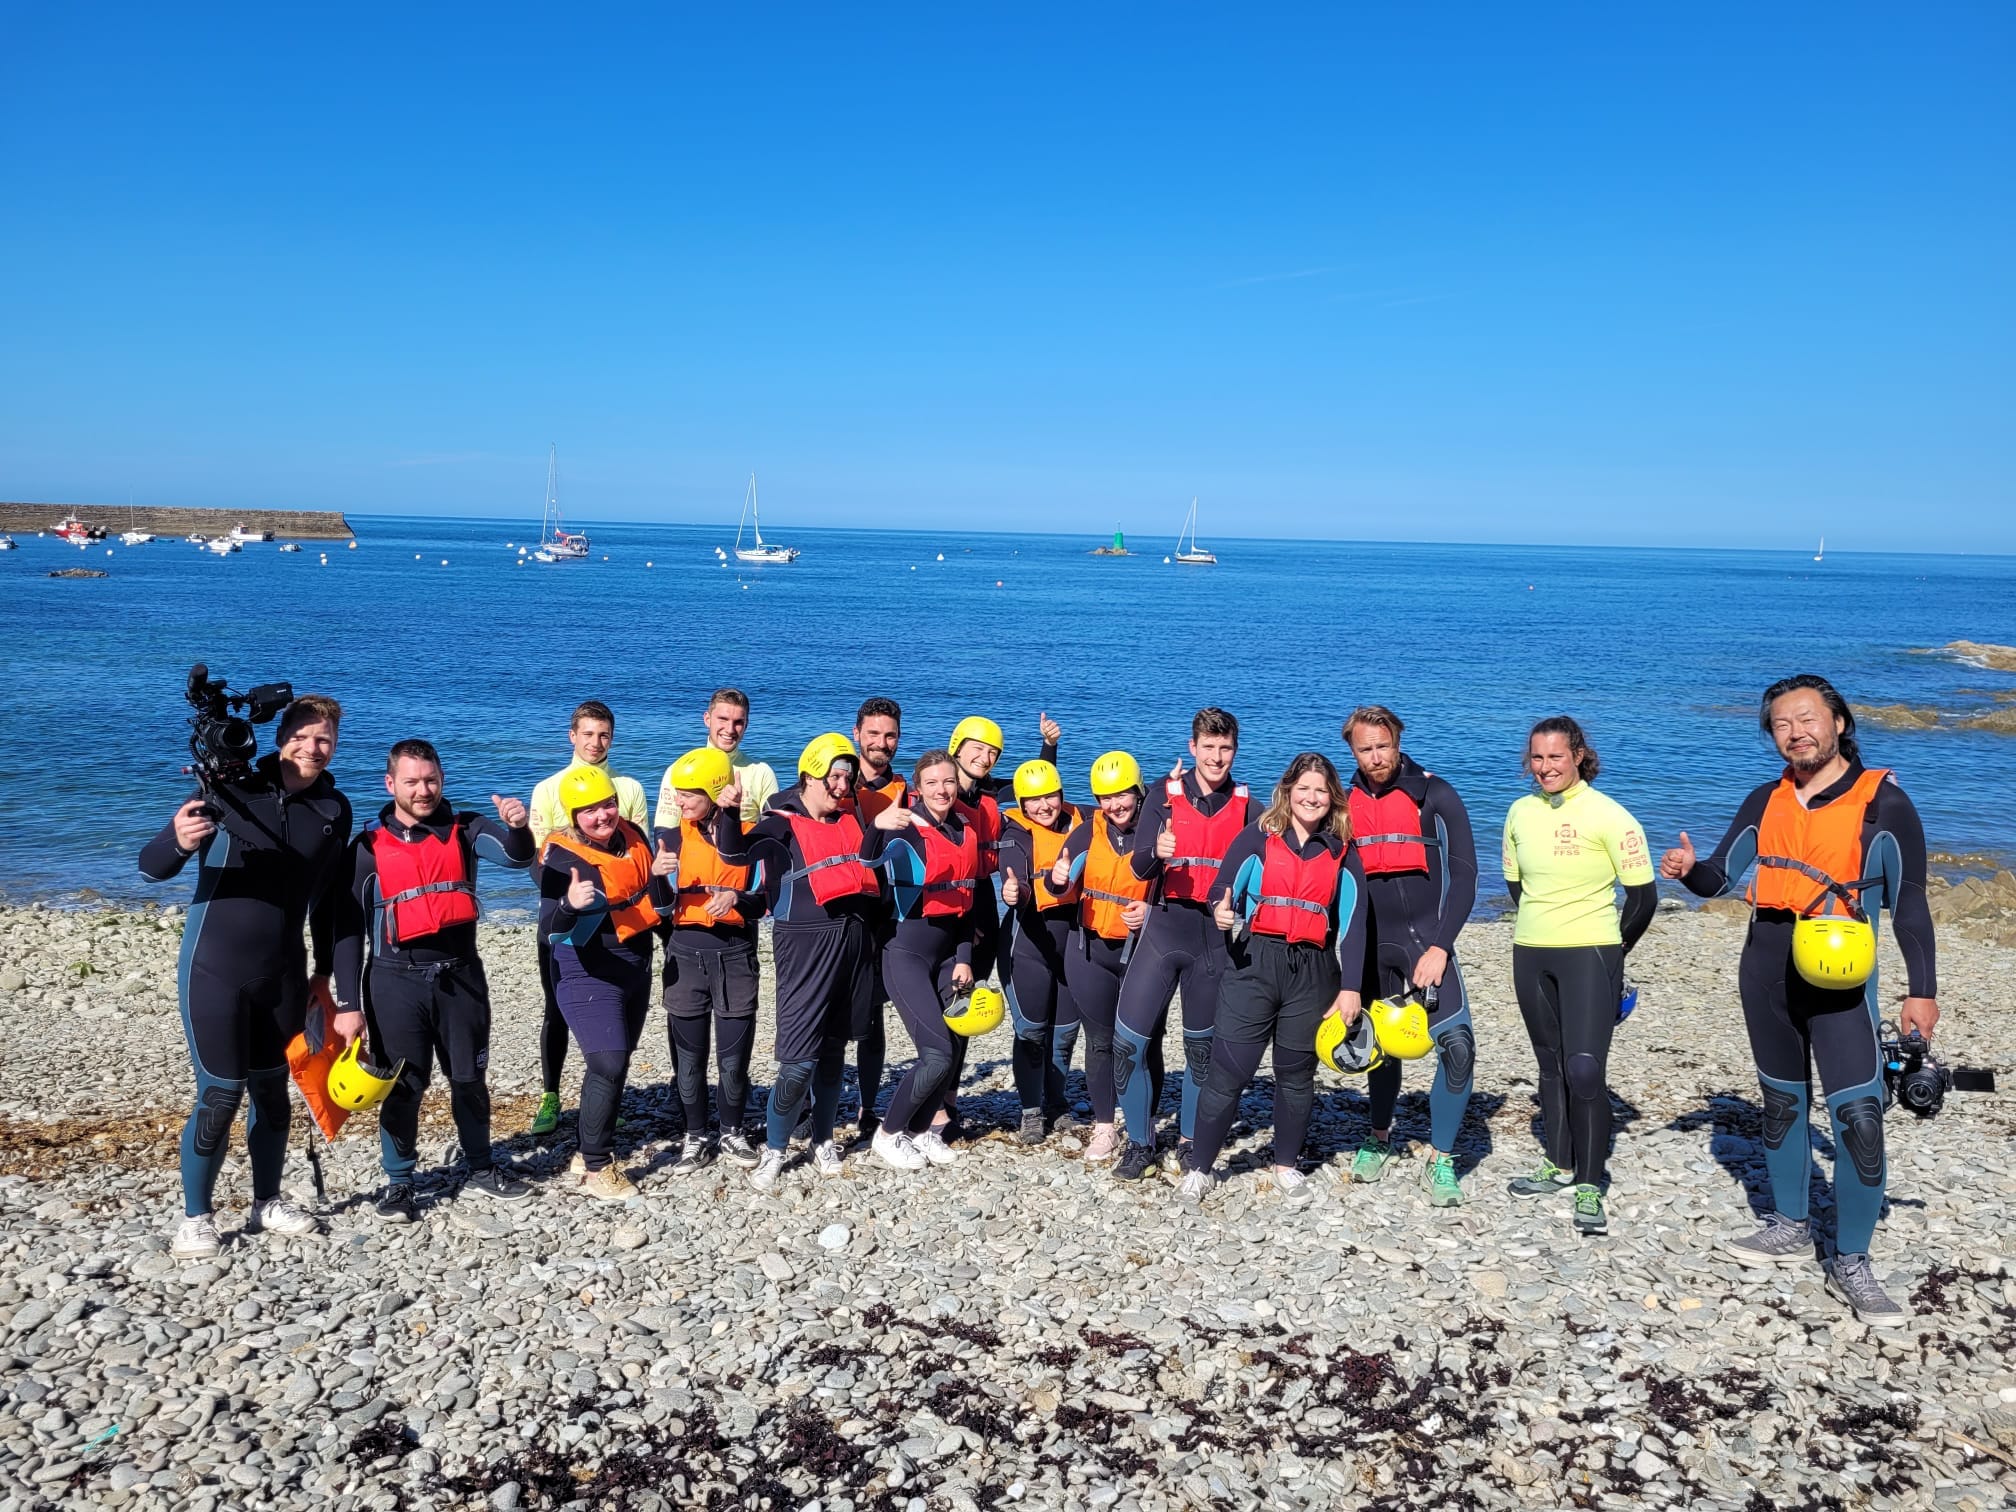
(1847, 892)
(1267, 901)
(617, 905)
(427, 887)
(813, 866)
(1106, 897)
(1194, 861)
(1423, 840)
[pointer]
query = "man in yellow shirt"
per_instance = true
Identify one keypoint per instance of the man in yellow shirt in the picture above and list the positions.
(726, 721)
(591, 733)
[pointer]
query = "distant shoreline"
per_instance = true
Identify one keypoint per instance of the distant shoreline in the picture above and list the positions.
(285, 524)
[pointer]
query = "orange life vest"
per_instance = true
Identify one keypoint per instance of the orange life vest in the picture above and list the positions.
(895, 790)
(1044, 844)
(951, 867)
(702, 874)
(424, 885)
(1201, 843)
(1809, 861)
(1108, 884)
(1387, 832)
(831, 850)
(1296, 892)
(625, 876)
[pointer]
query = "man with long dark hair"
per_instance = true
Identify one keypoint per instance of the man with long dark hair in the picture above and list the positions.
(1835, 843)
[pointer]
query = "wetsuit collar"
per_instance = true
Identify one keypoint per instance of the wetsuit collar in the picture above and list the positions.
(267, 768)
(1409, 777)
(1835, 789)
(1323, 839)
(1194, 785)
(439, 822)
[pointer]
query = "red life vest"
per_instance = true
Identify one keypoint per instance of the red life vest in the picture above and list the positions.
(1108, 884)
(951, 868)
(424, 884)
(832, 856)
(1201, 843)
(703, 874)
(624, 876)
(1044, 844)
(1296, 893)
(1387, 832)
(1810, 860)
(986, 816)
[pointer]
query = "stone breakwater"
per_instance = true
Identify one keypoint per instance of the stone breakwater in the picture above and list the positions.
(285, 524)
(1018, 1330)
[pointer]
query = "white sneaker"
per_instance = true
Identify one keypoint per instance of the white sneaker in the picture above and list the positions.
(826, 1158)
(897, 1151)
(196, 1239)
(764, 1177)
(931, 1145)
(1292, 1185)
(277, 1215)
(1196, 1185)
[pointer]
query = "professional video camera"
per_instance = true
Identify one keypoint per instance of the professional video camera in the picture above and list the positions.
(222, 744)
(1915, 1077)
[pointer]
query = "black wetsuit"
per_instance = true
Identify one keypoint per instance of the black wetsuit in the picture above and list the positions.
(869, 1031)
(1179, 946)
(274, 865)
(1411, 911)
(711, 983)
(1795, 1026)
(1278, 992)
(1036, 981)
(1094, 967)
(425, 999)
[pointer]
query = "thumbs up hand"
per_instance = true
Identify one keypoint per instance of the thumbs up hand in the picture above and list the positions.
(1060, 874)
(666, 862)
(1011, 890)
(581, 893)
(1223, 915)
(1176, 771)
(1679, 861)
(895, 817)
(730, 797)
(510, 810)
(1049, 728)
(1165, 842)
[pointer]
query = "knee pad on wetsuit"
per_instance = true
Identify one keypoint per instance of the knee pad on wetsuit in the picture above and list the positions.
(1585, 1076)
(1457, 1046)
(1858, 1126)
(1197, 1055)
(1782, 1106)
(1294, 1070)
(1129, 1049)
(216, 1109)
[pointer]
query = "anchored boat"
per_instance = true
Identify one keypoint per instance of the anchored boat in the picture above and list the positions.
(556, 542)
(1196, 556)
(762, 551)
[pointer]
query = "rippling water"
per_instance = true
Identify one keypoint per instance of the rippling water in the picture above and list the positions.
(1661, 654)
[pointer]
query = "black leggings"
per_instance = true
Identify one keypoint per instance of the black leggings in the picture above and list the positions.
(689, 1038)
(420, 1014)
(1092, 970)
(1568, 997)
(553, 1027)
(702, 985)
(1275, 992)
(919, 984)
(1046, 1017)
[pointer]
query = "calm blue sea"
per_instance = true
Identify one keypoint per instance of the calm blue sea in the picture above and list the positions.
(1661, 654)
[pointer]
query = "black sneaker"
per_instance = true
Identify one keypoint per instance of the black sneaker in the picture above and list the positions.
(498, 1184)
(870, 1122)
(692, 1155)
(395, 1204)
(1032, 1131)
(1135, 1162)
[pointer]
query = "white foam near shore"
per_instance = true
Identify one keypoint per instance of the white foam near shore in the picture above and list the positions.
(1018, 1329)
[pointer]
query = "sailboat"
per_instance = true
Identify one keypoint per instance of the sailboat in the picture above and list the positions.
(1196, 556)
(1822, 552)
(556, 542)
(760, 552)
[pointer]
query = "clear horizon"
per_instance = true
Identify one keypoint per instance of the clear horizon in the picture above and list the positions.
(1716, 279)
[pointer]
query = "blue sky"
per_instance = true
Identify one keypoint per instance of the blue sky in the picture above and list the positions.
(1721, 276)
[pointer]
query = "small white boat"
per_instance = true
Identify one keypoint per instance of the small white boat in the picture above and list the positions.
(556, 542)
(1821, 554)
(7, 543)
(223, 546)
(1196, 556)
(135, 538)
(290, 546)
(196, 538)
(762, 551)
(240, 534)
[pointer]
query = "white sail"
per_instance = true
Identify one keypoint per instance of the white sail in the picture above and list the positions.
(752, 516)
(1195, 556)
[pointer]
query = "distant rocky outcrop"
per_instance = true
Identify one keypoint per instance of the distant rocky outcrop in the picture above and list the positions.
(80, 572)
(285, 524)
(1982, 654)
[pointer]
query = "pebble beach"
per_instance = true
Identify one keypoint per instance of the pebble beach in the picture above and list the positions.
(1015, 1331)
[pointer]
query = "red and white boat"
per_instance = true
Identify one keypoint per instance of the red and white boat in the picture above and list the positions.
(77, 533)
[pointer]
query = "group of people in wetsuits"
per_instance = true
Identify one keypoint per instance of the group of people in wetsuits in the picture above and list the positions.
(1317, 922)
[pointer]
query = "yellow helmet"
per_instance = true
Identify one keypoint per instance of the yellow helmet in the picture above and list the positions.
(1833, 951)
(704, 769)
(584, 787)
(1115, 772)
(1401, 1027)
(354, 1085)
(817, 759)
(975, 1012)
(1349, 1048)
(1035, 778)
(973, 727)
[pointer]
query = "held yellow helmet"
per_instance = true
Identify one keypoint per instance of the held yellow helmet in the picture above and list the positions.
(817, 759)
(584, 787)
(1833, 951)
(974, 1012)
(1115, 772)
(1035, 778)
(704, 769)
(354, 1085)
(973, 727)
(1401, 1027)
(1349, 1048)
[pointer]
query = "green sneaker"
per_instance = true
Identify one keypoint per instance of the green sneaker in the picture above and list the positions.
(1438, 1175)
(1549, 1180)
(1373, 1156)
(547, 1119)
(1589, 1211)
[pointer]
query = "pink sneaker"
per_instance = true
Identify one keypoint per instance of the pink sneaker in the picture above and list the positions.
(1105, 1143)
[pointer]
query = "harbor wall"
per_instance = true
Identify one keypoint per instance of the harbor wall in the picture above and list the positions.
(286, 524)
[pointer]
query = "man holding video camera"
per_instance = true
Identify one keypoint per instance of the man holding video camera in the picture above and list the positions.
(269, 838)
